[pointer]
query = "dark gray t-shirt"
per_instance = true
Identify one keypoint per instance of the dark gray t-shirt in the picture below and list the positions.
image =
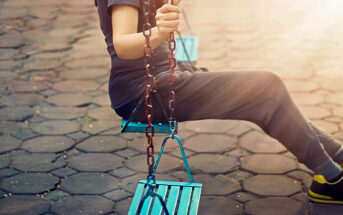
(126, 81)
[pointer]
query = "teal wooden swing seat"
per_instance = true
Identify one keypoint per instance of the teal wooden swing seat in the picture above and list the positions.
(166, 197)
(181, 198)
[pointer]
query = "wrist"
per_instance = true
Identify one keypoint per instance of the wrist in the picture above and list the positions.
(161, 35)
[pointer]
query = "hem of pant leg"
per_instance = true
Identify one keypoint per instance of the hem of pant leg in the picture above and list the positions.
(329, 170)
(339, 156)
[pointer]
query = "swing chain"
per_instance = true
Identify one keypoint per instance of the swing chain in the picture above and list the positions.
(172, 79)
(150, 85)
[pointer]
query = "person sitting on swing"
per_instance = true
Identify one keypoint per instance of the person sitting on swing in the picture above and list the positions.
(258, 97)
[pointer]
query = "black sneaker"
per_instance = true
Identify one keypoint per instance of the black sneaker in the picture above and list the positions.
(322, 191)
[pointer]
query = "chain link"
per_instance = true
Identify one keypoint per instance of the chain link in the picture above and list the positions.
(149, 86)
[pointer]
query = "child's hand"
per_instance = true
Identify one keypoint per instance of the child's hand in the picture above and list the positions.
(167, 18)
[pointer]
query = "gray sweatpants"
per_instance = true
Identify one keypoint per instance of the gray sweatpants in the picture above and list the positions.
(258, 97)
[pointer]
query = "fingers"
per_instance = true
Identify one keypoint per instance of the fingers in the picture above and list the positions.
(167, 16)
(168, 24)
(168, 8)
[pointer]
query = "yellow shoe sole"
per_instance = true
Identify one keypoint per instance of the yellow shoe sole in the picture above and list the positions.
(325, 201)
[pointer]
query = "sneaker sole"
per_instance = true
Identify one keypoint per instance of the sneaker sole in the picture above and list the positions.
(325, 201)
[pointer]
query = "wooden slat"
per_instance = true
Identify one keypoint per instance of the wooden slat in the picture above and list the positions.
(172, 199)
(146, 203)
(193, 210)
(184, 200)
(175, 183)
(157, 208)
(136, 199)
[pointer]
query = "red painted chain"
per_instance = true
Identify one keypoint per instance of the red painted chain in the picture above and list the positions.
(172, 79)
(149, 86)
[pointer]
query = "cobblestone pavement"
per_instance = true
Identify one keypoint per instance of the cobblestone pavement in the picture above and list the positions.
(61, 151)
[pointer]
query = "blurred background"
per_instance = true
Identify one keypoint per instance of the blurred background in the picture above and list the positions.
(61, 151)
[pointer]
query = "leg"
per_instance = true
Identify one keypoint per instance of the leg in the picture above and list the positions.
(259, 97)
(334, 149)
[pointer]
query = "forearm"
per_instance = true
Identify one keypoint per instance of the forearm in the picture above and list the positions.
(131, 46)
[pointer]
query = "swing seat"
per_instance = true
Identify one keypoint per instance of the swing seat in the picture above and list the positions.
(191, 44)
(181, 198)
(137, 127)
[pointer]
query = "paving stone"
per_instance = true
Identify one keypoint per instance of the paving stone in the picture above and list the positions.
(242, 197)
(55, 127)
(102, 144)
(274, 205)
(118, 195)
(177, 153)
(55, 195)
(48, 92)
(4, 161)
(62, 172)
(301, 86)
(127, 153)
(7, 172)
(95, 162)
(69, 99)
(239, 175)
(89, 183)
(215, 186)
(23, 204)
(19, 113)
(88, 62)
(319, 209)
(333, 85)
(100, 126)
(217, 205)
(83, 204)
(7, 54)
(268, 163)
(122, 172)
(167, 163)
(8, 143)
(210, 143)
(102, 100)
(42, 64)
(239, 130)
(140, 144)
(213, 163)
(8, 65)
(11, 40)
(211, 126)
(75, 86)
(16, 129)
(61, 112)
(28, 86)
(307, 99)
(86, 73)
(301, 197)
(78, 136)
(336, 98)
(184, 133)
(48, 144)
(103, 113)
(271, 185)
(37, 162)
(299, 175)
(258, 142)
(123, 206)
(326, 126)
(237, 152)
(30, 183)
(338, 112)
(315, 112)
(29, 99)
